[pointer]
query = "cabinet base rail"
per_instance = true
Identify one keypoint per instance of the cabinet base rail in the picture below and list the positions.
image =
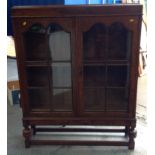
(76, 130)
(78, 142)
(128, 139)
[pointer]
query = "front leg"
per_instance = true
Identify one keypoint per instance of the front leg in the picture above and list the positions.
(132, 135)
(27, 135)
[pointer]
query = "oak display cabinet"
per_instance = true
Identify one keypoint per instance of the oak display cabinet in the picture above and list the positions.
(78, 65)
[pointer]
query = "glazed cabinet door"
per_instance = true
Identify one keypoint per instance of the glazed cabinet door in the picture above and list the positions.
(106, 51)
(47, 52)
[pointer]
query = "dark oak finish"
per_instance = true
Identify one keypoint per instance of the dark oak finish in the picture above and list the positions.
(73, 142)
(78, 65)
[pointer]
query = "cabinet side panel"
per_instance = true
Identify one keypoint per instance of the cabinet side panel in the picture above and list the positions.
(20, 65)
(134, 66)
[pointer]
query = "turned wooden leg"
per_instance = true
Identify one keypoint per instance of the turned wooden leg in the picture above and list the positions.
(132, 135)
(33, 127)
(27, 136)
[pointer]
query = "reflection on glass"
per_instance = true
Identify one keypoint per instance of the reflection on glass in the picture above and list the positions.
(118, 42)
(62, 99)
(37, 76)
(40, 43)
(94, 76)
(117, 99)
(37, 28)
(117, 76)
(59, 43)
(61, 74)
(39, 98)
(36, 43)
(94, 99)
(94, 43)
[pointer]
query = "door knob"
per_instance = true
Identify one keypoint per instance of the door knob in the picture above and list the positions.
(131, 20)
(24, 23)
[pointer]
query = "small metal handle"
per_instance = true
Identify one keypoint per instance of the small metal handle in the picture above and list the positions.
(24, 23)
(131, 20)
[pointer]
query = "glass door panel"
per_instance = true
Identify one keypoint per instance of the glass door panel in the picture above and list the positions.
(48, 65)
(60, 70)
(62, 99)
(61, 75)
(38, 87)
(94, 76)
(61, 87)
(94, 41)
(106, 66)
(36, 43)
(119, 42)
(94, 99)
(59, 44)
(37, 76)
(39, 99)
(94, 50)
(117, 75)
(117, 99)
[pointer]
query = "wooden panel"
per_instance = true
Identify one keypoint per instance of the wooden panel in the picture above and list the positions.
(79, 10)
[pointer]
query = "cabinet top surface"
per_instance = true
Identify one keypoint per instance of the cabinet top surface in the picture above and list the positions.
(76, 10)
